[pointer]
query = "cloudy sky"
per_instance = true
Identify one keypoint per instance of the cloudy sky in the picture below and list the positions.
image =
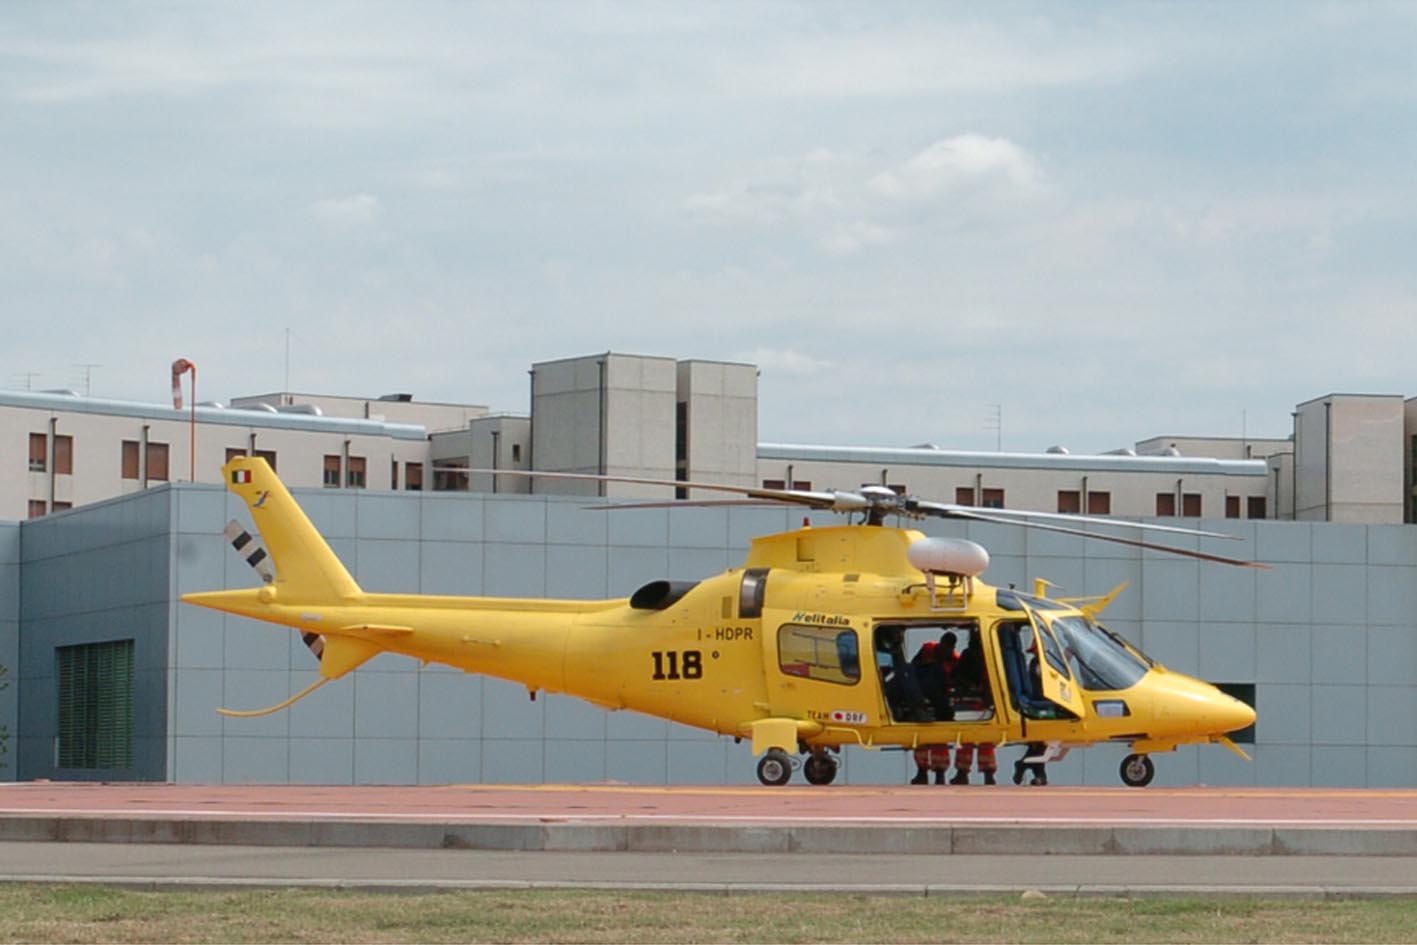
(1110, 220)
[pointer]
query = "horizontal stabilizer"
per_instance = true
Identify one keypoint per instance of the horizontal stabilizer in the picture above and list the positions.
(382, 629)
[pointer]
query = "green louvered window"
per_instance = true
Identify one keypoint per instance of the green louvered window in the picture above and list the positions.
(96, 705)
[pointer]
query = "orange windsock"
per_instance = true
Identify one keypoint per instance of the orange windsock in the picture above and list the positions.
(179, 367)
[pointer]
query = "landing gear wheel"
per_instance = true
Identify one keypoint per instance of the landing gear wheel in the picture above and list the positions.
(775, 767)
(1137, 771)
(819, 769)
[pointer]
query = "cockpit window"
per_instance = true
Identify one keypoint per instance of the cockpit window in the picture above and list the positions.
(1010, 599)
(1099, 662)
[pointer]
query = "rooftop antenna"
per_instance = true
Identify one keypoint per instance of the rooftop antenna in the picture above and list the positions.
(88, 376)
(28, 378)
(288, 335)
(995, 422)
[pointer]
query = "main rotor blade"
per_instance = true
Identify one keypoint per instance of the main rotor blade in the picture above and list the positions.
(945, 510)
(1115, 539)
(693, 503)
(821, 500)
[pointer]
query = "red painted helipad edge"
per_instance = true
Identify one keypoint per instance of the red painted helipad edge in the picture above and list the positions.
(837, 805)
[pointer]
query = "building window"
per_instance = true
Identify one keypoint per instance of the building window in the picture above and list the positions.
(355, 477)
(96, 705)
(450, 479)
(993, 499)
(804, 484)
(1069, 501)
(37, 508)
(681, 431)
(269, 456)
(1099, 503)
(63, 454)
(964, 495)
(393, 474)
(774, 484)
(516, 452)
(60, 505)
(1191, 505)
(331, 480)
(130, 459)
(157, 462)
(234, 453)
(1255, 507)
(413, 477)
(39, 452)
(1232, 506)
(1166, 505)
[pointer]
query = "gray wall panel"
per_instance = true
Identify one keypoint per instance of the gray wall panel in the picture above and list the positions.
(388, 567)
(385, 705)
(325, 713)
(255, 760)
(1338, 715)
(637, 761)
(387, 515)
(512, 761)
(1282, 654)
(569, 522)
(1339, 654)
(1340, 544)
(1392, 655)
(1339, 766)
(385, 761)
(197, 760)
(449, 761)
(1283, 714)
(321, 760)
(1392, 544)
(573, 760)
(450, 567)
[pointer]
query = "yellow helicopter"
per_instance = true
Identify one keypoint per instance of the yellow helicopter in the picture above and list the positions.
(825, 637)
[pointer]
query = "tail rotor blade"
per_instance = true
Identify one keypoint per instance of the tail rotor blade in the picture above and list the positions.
(250, 550)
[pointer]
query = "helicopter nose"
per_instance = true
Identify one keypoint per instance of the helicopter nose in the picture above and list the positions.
(1234, 716)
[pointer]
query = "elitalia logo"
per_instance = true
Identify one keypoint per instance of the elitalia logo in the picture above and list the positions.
(825, 620)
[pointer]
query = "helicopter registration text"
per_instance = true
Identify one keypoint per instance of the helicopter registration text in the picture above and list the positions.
(726, 634)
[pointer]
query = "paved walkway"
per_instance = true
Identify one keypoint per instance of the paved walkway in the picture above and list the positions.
(928, 821)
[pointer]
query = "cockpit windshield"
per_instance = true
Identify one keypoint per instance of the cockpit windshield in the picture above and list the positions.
(1099, 661)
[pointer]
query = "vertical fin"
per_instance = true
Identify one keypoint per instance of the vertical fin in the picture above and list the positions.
(306, 570)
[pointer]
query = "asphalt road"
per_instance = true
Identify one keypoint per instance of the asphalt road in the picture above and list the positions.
(186, 865)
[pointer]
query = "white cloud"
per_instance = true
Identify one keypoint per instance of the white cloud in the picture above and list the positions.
(785, 361)
(352, 212)
(961, 163)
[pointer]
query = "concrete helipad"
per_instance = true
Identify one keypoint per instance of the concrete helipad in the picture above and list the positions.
(838, 819)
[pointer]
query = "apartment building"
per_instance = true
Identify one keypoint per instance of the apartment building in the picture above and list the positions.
(1349, 459)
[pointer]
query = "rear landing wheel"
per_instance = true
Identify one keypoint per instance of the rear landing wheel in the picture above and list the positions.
(1137, 771)
(820, 769)
(775, 767)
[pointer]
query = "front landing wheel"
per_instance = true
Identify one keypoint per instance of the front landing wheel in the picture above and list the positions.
(775, 767)
(1137, 771)
(819, 769)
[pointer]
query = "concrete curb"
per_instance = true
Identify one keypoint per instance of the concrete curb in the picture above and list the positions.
(928, 890)
(1064, 839)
